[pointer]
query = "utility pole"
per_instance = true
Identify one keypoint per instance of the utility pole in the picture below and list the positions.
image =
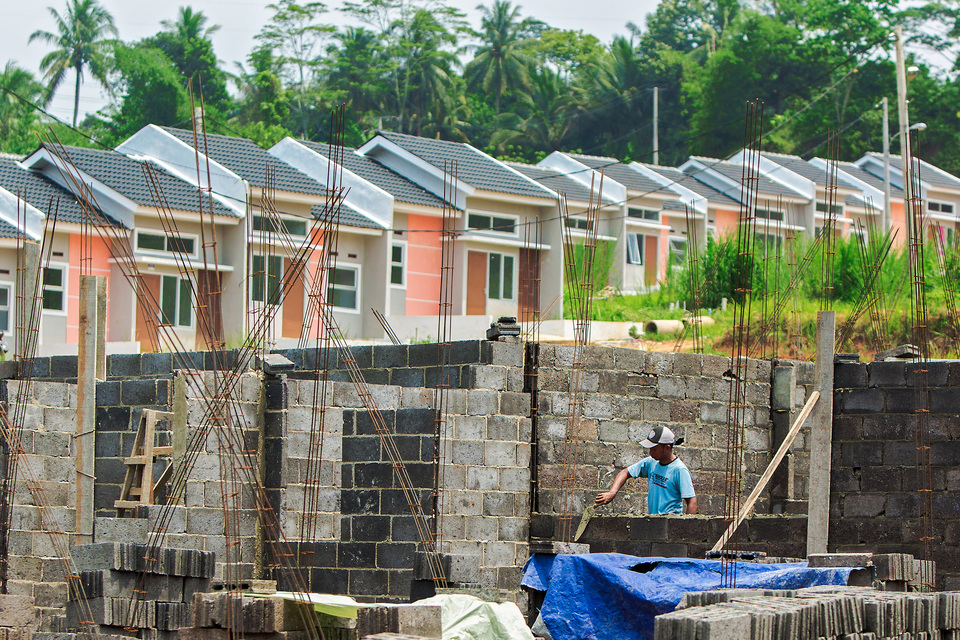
(656, 125)
(887, 215)
(904, 125)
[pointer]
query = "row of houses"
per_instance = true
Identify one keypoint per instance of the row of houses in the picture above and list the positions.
(396, 191)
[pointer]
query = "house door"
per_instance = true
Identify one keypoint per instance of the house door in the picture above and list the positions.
(148, 300)
(291, 324)
(651, 258)
(476, 283)
(211, 330)
(529, 302)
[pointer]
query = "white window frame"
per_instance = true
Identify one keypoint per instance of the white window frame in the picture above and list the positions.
(166, 236)
(579, 223)
(346, 267)
(402, 245)
(644, 214)
(503, 280)
(9, 286)
(65, 270)
(178, 302)
(937, 207)
(635, 248)
(266, 277)
(285, 219)
(671, 253)
(775, 214)
(515, 219)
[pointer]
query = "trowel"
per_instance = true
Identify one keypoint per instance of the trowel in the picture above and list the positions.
(584, 521)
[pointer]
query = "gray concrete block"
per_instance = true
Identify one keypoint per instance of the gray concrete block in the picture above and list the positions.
(17, 611)
(120, 530)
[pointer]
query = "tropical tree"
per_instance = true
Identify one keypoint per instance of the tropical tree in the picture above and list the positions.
(546, 115)
(263, 102)
(427, 71)
(186, 41)
(355, 68)
(153, 91)
(81, 44)
(17, 116)
(503, 62)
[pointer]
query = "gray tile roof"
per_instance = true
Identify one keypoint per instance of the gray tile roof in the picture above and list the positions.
(632, 180)
(43, 194)
(928, 173)
(803, 168)
(400, 188)
(250, 162)
(734, 171)
(865, 176)
(713, 196)
(474, 167)
(558, 182)
(349, 216)
(126, 177)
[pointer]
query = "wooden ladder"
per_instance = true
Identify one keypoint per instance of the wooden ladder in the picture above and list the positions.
(138, 487)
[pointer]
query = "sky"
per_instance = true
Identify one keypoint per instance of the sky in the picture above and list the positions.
(241, 20)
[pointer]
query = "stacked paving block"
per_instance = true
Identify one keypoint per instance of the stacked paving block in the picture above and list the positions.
(18, 617)
(136, 587)
(886, 571)
(265, 618)
(828, 613)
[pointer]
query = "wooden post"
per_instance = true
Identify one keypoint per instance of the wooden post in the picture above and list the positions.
(92, 297)
(821, 437)
(179, 425)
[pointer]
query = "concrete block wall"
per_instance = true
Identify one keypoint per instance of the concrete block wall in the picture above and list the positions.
(874, 481)
(626, 393)
(49, 426)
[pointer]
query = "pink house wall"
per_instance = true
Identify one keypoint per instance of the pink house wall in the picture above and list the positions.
(424, 259)
(99, 266)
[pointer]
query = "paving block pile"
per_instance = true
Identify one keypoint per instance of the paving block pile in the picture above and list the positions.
(134, 586)
(825, 612)
(215, 615)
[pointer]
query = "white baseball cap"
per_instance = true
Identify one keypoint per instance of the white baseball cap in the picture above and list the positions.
(658, 435)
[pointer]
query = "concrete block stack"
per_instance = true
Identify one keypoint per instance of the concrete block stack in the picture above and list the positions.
(132, 586)
(18, 617)
(215, 615)
(886, 571)
(829, 612)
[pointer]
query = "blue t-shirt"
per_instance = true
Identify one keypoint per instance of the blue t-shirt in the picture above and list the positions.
(667, 484)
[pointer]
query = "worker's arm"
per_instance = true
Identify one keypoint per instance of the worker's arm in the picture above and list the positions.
(618, 482)
(690, 505)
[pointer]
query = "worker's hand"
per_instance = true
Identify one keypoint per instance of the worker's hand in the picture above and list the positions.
(605, 498)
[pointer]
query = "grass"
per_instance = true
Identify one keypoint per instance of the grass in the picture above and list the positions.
(794, 282)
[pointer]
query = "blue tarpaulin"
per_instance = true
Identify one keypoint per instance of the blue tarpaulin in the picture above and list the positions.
(611, 596)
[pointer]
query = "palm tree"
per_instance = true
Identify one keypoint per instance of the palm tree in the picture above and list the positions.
(190, 24)
(501, 62)
(545, 115)
(15, 116)
(80, 43)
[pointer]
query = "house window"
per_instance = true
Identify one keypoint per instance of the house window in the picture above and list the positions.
(54, 282)
(644, 214)
(280, 225)
(344, 287)
(500, 277)
(398, 260)
(635, 248)
(939, 207)
(267, 271)
(166, 243)
(175, 306)
(678, 251)
(5, 300)
(578, 223)
(769, 214)
(767, 243)
(484, 222)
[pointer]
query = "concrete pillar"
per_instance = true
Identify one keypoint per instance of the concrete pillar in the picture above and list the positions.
(179, 435)
(90, 361)
(821, 436)
(26, 340)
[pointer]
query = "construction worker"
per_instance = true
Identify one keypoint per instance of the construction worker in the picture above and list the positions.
(670, 486)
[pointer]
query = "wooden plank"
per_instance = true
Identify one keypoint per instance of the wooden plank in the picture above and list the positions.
(149, 438)
(821, 437)
(765, 478)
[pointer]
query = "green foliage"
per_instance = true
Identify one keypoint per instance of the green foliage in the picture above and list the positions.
(18, 120)
(152, 88)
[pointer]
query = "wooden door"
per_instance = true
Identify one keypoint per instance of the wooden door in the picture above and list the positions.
(208, 289)
(476, 283)
(529, 299)
(148, 311)
(291, 325)
(651, 258)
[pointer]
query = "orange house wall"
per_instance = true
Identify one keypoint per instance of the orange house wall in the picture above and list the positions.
(726, 221)
(99, 266)
(898, 220)
(424, 259)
